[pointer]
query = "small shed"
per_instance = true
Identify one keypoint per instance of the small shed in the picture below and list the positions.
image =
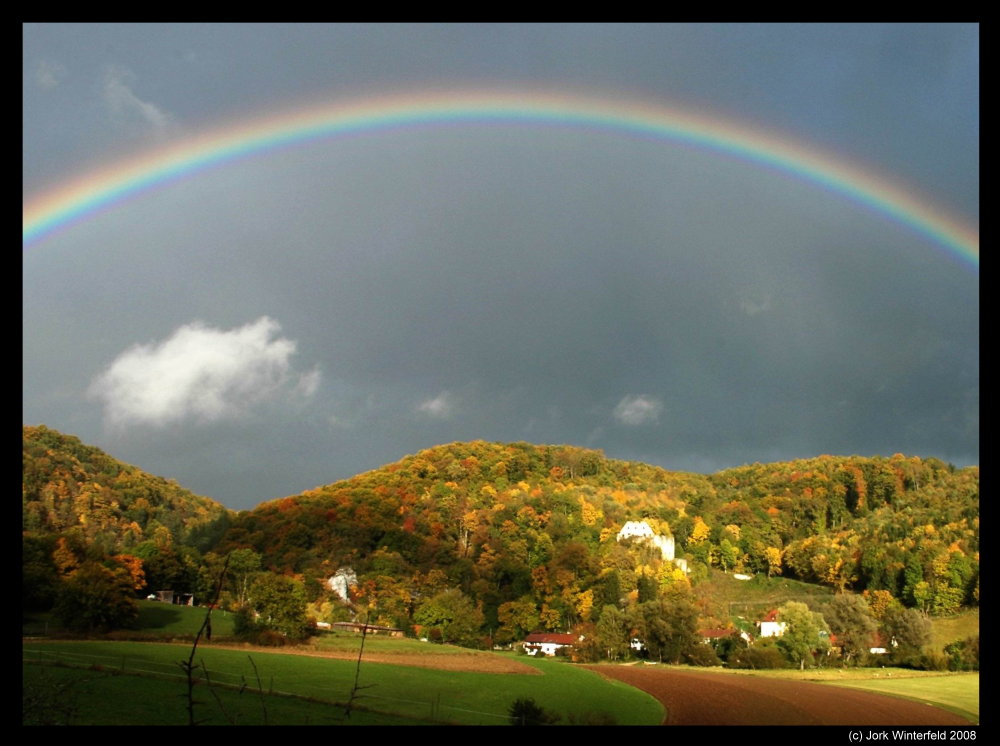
(370, 629)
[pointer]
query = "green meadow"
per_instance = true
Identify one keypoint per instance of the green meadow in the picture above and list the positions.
(142, 682)
(957, 692)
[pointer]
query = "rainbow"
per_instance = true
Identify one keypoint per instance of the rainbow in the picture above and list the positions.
(79, 199)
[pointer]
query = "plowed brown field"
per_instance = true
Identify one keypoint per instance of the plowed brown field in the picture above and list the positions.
(696, 698)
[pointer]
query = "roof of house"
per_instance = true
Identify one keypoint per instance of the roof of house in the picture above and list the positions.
(771, 616)
(370, 627)
(550, 637)
(716, 632)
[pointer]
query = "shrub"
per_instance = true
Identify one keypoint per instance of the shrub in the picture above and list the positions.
(933, 661)
(270, 638)
(963, 655)
(524, 711)
(758, 656)
(702, 655)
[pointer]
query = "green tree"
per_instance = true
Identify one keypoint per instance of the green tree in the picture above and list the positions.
(907, 631)
(243, 565)
(279, 603)
(803, 634)
(453, 615)
(613, 632)
(668, 627)
(524, 711)
(39, 577)
(96, 599)
(851, 621)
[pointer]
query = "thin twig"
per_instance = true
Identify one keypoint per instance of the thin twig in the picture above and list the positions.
(215, 695)
(189, 666)
(357, 671)
(260, 688)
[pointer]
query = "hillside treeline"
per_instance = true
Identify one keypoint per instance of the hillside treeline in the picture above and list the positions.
(535, 526)
(498, 540)
(70, 487)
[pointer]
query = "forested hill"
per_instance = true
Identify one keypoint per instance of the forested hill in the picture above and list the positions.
(505, 522)
(534, 527)
(70, 487)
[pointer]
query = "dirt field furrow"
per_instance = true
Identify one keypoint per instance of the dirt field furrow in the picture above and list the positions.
(696, 698)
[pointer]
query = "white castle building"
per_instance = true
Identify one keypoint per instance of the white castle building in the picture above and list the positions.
(341, 581)
(642, 530)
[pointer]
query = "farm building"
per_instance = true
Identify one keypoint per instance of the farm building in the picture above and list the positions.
(769, 626)
(718, 633)
(170, 597)
(547, 642)
(371, 629)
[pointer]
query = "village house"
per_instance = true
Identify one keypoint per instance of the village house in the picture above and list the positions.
(713, 634)
(547, 643)
(769, 626)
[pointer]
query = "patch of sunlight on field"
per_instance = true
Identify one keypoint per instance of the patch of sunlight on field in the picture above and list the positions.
(956, 692)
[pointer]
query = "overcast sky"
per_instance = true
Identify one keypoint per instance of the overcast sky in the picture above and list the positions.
(301, 316)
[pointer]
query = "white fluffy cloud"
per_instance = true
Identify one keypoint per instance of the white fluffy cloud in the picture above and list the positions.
(638, 410)
(441, 406)
(202, 373)
(49, 74)
(128, 109)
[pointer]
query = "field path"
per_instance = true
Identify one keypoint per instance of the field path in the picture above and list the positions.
(696, 698)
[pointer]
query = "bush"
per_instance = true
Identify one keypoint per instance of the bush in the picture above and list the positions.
(758, 656)
(270, 638)
(963, 655)
(524, 711)
(933, 661)
(702, 655)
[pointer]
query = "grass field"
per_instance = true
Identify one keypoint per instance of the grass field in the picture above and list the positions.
(156, 620)
(85, 697)
(957, 692)
(952, 628)
(406, 691)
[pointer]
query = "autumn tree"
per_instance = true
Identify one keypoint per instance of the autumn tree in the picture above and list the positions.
(518, 618)
(95, 598)
(773, 557)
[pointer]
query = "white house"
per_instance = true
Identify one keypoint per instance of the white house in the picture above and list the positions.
(770, 626)
(547, 643)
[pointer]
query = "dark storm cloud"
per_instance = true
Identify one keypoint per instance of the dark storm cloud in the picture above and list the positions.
(657, 302)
